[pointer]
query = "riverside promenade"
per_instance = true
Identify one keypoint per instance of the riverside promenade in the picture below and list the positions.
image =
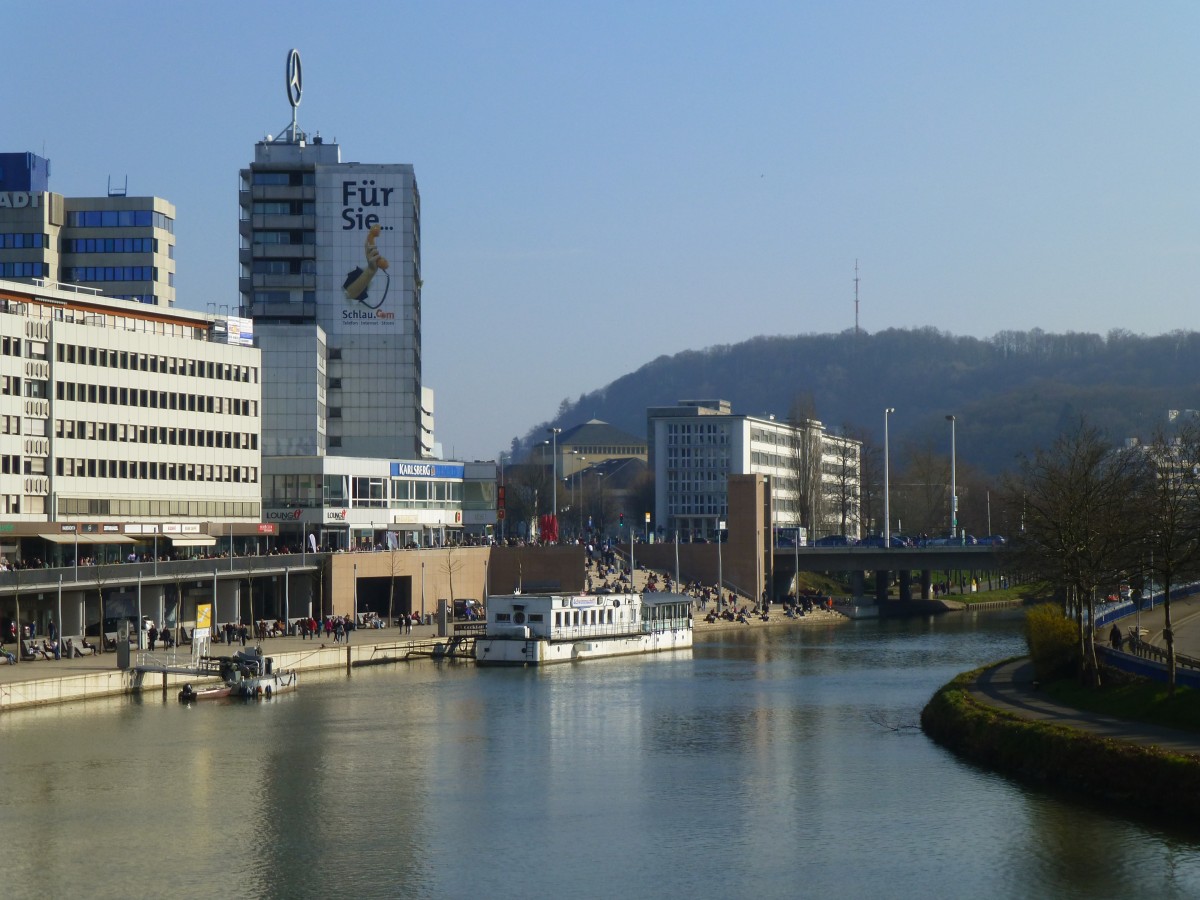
(1010, 688)
(42, 682)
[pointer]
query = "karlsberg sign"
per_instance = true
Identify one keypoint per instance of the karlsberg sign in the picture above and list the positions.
(426, 470)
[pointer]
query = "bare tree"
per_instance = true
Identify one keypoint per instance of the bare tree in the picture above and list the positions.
(843, 486)
(803, 479)
(870, 464)
(1081, 521)
(921, 492)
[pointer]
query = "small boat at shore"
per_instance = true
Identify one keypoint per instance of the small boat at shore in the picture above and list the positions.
(245, 674)
(541, 629)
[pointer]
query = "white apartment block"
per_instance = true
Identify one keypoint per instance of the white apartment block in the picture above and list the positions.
(112, 412)
(695, 445)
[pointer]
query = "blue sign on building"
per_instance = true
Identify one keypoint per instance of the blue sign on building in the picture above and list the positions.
(427, 470)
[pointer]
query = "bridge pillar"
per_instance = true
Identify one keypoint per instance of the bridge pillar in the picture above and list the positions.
(881, 585)
(905, 578)
(857, 583)
(926, 584)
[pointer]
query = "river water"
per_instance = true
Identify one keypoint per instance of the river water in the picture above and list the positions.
(763, 763)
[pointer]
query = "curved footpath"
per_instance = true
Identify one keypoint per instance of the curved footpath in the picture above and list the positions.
(996, 720)
(1009, 688)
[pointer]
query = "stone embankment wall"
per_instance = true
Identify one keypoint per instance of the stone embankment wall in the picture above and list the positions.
(1130, 775)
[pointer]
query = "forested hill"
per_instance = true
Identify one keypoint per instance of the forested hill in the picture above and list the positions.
(1010, 394)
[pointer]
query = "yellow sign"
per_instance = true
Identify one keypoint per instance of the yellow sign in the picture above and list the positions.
(204, 615)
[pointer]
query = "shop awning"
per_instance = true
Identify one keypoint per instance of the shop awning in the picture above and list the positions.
(87, 538)
(193, 541)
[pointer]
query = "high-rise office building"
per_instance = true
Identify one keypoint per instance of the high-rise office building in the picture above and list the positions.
(330, 260)
(122, 246)
(331, 270)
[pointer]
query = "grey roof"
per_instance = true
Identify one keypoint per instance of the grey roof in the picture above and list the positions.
(599, 433)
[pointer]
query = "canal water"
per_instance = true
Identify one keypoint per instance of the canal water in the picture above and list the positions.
(783, 763)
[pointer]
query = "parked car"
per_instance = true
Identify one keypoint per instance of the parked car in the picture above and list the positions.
(993, 540)
(835, 540)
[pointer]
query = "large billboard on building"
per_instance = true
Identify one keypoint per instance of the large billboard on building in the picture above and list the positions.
(362, 216)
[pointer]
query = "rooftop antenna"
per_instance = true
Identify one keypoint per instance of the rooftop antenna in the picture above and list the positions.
(856, 298)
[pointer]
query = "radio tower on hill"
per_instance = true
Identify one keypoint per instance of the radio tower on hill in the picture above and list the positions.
(856, 298)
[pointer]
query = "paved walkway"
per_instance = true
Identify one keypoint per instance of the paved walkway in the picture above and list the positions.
(1010, 688)
(61, 668)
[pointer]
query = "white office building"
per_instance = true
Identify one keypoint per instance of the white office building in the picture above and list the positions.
(697, 444)
(117, 415)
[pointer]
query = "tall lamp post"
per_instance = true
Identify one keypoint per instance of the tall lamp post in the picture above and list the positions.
(887, 496)
(554, 433)
(953, 486)
(579, 489)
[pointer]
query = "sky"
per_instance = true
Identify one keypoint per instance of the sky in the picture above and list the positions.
(603, 183)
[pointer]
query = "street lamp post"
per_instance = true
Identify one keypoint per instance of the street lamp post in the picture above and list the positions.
(579, 489)
(720, 571)
(953, 486)
(887, 496)
(554, 433)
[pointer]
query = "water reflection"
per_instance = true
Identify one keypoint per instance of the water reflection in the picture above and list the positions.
(759, 764)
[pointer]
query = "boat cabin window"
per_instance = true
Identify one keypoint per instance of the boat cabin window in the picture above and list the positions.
(535, 617)
(558, 619)
(502, 617)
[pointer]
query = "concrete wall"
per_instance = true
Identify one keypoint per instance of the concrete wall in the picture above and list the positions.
(535, 569)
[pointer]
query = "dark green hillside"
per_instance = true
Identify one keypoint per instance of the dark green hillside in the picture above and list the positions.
(1010, 393)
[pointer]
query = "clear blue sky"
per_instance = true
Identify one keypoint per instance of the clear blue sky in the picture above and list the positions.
(603, 183)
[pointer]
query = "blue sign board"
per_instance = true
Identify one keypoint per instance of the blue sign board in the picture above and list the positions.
(427, 470)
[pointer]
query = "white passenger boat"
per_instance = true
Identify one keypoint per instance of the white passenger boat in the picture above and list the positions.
(539, 629)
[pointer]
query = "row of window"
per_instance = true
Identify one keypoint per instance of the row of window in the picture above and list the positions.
(112, 273)
(154, 434)
(120, 218)
(285, 208)
(162, 509)
(607, 451)
(22, 241)
(577, 617)
(292, 179)
(285, 267)
(154, 471)
(372, 493)
(150, 362)
(92, 318)
(282, 297)
(139, 397)
(285, 237)
(24, 270)
(111, 245)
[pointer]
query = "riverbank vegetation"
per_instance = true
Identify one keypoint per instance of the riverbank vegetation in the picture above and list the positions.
(1132, 775)
(1098, 518)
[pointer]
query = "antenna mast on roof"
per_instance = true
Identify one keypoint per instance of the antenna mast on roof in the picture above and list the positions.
(856, 298)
